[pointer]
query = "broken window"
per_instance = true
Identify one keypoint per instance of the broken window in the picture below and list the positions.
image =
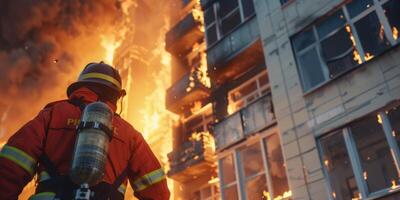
(392, 12)
(363, 32)
(276, 166)
(372, 35)
(223, 16)
(228, 178)
(254, 169)
(362, 159)
(377, 164)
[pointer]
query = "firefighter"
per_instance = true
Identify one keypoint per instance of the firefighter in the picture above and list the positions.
(45, 145)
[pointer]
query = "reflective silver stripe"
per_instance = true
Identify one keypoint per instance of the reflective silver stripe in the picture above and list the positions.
(148, 180)
(44, 176)
(122, 188)
(19, 157)
(43, 196)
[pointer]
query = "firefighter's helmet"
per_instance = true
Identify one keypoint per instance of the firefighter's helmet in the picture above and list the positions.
(101, 74)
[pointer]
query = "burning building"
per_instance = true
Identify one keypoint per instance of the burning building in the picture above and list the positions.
(334, 69)
(233, 108)
(302, 102)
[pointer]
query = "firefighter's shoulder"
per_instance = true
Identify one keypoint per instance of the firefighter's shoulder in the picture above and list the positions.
(51, 104)
(126, 126)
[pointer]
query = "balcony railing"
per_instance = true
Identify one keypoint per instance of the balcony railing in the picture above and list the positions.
(193, 158)
(183, 35)
(247, 121)
(236, 52)
(184, 92)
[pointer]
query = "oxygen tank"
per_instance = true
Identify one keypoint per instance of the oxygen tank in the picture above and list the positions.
(91, 145)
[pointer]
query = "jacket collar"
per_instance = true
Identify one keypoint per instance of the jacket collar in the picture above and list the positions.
(88, 96)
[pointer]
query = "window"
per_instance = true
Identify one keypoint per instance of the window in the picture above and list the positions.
(223, 16)
(362, 160)
(365, 29)
(256, 162)
(248, 92)
(207, 192)
(198, 122)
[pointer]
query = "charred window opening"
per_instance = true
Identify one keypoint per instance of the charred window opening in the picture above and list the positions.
(223, 16)
(261, 171)
(372, 35)
(355, 33)
(361, 160)
(392, 12)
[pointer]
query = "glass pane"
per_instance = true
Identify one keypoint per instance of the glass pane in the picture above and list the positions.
(248, 8)
(357, 6)
(209, 16)
(212, 36)
(227, 6)
(338, 167)
(230, 193)
(331, 23)
(394, 118)
(227, 169)
(372, 35)
(338, 55)
(303, 39)
(283, 2)
(231, 22)
(276, 165)
(244, 91)
(251, 160)
(256, 188)
(311, 68)
(376, 159)
(391, 10)
(257, 115)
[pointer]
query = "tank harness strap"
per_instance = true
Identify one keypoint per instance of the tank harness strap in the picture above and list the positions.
(121, 178)
(77, 102)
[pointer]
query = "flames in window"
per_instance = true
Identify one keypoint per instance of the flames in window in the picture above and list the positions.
(395, 33)
(284, 196)
(356, 54)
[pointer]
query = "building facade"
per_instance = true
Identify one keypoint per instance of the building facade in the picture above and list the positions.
(302, 102)
(335, 81)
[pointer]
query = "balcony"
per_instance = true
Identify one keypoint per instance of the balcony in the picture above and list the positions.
(236, 52)
(194, 159)
(184, 92)
(183, 35)
(251, 119)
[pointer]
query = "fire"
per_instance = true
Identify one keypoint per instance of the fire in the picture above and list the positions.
(379, 119)
(381, 33)
(356, 55)
(394, 185)
(395, 33)
(110, 44)
(206, 137)
(368, 56)
(198, 14)
(286, 195)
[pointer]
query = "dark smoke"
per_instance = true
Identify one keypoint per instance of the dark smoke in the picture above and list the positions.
(43, 46)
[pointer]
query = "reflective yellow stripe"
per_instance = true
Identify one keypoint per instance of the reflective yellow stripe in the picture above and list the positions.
(148, 180)
(44, 176)
(19, 157)
(122, 188)
(100, 76)
(43, 196)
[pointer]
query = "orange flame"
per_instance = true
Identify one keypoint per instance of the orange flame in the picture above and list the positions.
(368, 56)
(198, 14)
(356, 55)
(395, 33)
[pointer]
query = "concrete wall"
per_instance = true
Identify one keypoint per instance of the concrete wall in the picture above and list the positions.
(303, 117)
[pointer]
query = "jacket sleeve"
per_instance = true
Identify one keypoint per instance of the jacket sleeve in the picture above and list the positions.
(18, 158)
(145, 173)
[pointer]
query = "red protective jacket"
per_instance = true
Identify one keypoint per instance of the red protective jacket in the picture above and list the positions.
(127, 149)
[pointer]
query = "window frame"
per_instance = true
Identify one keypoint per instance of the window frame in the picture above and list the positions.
(257, 93)
(376, 8)
(218, 20)
(241, 179)
(355, 158)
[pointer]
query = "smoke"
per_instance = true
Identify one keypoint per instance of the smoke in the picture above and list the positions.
(43, 46)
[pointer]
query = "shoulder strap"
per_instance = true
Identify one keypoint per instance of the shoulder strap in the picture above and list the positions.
(120, 179)
(77, 102)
